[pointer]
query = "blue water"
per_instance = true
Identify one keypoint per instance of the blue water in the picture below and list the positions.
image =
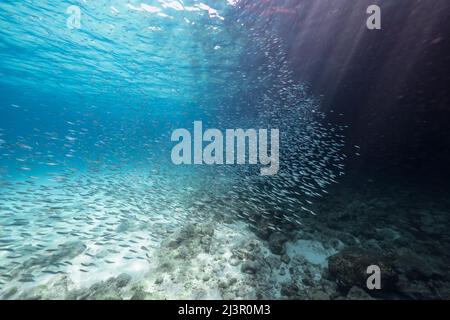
(88, 189)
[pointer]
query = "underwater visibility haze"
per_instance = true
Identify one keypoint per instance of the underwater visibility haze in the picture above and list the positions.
(92, 205)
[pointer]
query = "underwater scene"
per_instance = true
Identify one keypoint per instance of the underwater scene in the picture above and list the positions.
(224, 149)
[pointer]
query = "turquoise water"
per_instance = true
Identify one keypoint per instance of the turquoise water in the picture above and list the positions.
(88, 188)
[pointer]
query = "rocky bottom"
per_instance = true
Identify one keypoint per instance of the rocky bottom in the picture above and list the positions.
(326, 259)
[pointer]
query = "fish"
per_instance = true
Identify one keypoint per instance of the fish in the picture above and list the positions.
(93, 172)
